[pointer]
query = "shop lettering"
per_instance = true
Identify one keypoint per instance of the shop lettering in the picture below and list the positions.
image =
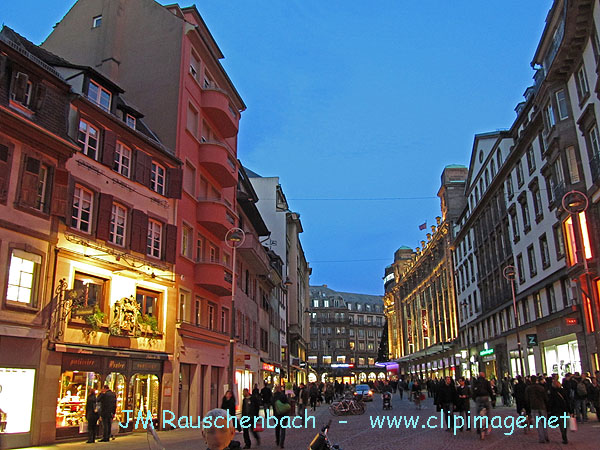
(83, 362)
(116, 365)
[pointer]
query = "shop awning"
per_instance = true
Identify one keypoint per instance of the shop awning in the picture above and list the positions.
(102, 351)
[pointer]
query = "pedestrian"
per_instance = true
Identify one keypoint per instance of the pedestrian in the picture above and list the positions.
(267, 395)
(446, 397)
(463, 403)
(250, 408)
(281, 408)
(594, 396)
(581, 397)
(91, 415)
(303, 400)
(537, 398)
(228, 403)
(314, 394)
(482, 393)
(558, 405)
(218, 432)
(494, 392)
(400, 385)
(519, 394)
(108, 408)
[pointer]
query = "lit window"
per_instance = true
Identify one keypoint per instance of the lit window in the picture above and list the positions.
(88, 139)
(187, 239)
(96, 21)
(90, 290)
(82, 209)
(99, 95)
(148, 302)
(572, 242)
(22, 277)
(154, 239)
(158, 178)
(130, 121)
(122, 161)
(118, 221)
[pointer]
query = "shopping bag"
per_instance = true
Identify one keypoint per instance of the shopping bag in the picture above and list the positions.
(83, 427)
(258, 428)
(572, 424)
(114, 428)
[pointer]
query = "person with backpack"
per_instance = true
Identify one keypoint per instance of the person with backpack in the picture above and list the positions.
(281, 408)
(581, 397)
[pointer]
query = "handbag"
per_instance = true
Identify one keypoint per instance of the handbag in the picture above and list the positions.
(572, 424)
(83, 427)
(282, 408)
(114, 428)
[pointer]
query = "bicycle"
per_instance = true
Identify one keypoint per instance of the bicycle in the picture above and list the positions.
(347, 407)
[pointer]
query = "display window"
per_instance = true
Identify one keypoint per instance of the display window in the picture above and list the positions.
(145, 394)
(74, 388)
(16, 399)
(117, 383)
(562, 358)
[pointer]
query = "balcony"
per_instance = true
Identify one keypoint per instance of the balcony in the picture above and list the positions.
(216, 216)
(217, 107)
(254, 254)
(214, 277)
(219, 161)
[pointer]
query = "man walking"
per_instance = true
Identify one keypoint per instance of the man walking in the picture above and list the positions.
(303, 399)
(266, 395)
(446, 397)
(482, 393)
(537, 398)
(108, 408)
(250, 409)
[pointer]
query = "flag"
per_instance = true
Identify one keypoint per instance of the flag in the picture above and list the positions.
(423, 226)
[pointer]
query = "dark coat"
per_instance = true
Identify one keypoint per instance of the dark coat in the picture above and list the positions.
(282, 398)
(463, 394)
(229, 405)
(250, 407)
(446, 393)
(558, 402)
(90, 409)
(108, 403)
(266, 395)
(536, 396)
(482, 388)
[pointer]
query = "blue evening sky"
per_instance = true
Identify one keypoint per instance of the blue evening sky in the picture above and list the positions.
(352, 100)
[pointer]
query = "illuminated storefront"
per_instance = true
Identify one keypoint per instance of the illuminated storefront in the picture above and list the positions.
(16, 400)
(136, 384)
(270, 373)
(561, 355)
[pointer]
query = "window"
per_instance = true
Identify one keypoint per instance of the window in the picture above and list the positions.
(199, 247)
(90, 290)
(23, 277)
(525, 213)
(531, 260)
(197, 312)
(520, 268)
(96, 21)
(153, 247)
(544, 251)
(130, 121)
(189, 179)
(192, 120)
(225, 319)
(184, 307)
(122, 162)
(520, 178)
(530, 159)
(537, 201)
(559, 242)
(81, 214)
(326, 303)
(537, 303)
(148, 302)
(581, 83)
(551, 296)
(88, 139)
(99, 95)
(211, 316)
(515, 225)
(594, 141)
(574, 256)
(42, 188)
(572, 165)
(187, 240)
(158, 178)
(194, 66)
(561, 102)
(509, 187)
(549, 121)
(213, 254)
(22, 93)
(118, 221)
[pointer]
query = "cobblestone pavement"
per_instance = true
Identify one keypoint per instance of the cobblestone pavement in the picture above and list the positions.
(358, 434)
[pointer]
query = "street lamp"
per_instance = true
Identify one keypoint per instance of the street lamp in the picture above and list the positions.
(509, 273)
(233, 239)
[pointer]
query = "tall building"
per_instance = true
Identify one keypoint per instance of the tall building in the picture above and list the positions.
(345, 331)
(421, 307)
(167, 61)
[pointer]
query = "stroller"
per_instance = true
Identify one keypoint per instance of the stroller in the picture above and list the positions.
(387, 400)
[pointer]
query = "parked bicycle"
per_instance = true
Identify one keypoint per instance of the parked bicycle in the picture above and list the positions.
(352, 406)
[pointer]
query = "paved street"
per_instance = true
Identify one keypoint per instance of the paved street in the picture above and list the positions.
(358, 434)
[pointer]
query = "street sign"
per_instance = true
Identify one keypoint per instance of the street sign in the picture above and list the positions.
(570, 320)
(532, 340)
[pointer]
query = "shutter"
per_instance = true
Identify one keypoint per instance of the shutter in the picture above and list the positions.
(40, 95)
(3, 65)
(174, 182)
(170, 243)
(20, 86)
(74, 124)
(60, 193)
(143, 168)
(104, 214)
(139, 231)
(29, 182)
(108, 150)
(4, 172)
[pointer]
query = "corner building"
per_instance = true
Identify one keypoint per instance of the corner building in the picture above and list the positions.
(168, 62)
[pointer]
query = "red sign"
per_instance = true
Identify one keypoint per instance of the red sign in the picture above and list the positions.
(409, 330)
(247, 357)
(424, 323)
(268, 367)
(570, 321)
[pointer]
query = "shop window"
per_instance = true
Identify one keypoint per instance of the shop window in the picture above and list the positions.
(23, 278)
(145, 392)
(16, 400)
(90, 292)
(148, 302)
(116, 382)
(74, 389)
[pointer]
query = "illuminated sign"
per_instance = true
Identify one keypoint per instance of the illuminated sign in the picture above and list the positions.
(341, 365)
(268, 367)
(570, 321)
(486, 352)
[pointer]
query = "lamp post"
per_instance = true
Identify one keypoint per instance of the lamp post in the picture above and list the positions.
(233, 239)
(443, 348)
(464, 304)
(509, 273)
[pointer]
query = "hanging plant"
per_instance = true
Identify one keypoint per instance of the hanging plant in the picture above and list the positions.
(95, 319)
(150, 324)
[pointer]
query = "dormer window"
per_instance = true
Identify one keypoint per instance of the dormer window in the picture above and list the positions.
(130, 121)
(96, 21)
(21, 93)
(99, 95)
